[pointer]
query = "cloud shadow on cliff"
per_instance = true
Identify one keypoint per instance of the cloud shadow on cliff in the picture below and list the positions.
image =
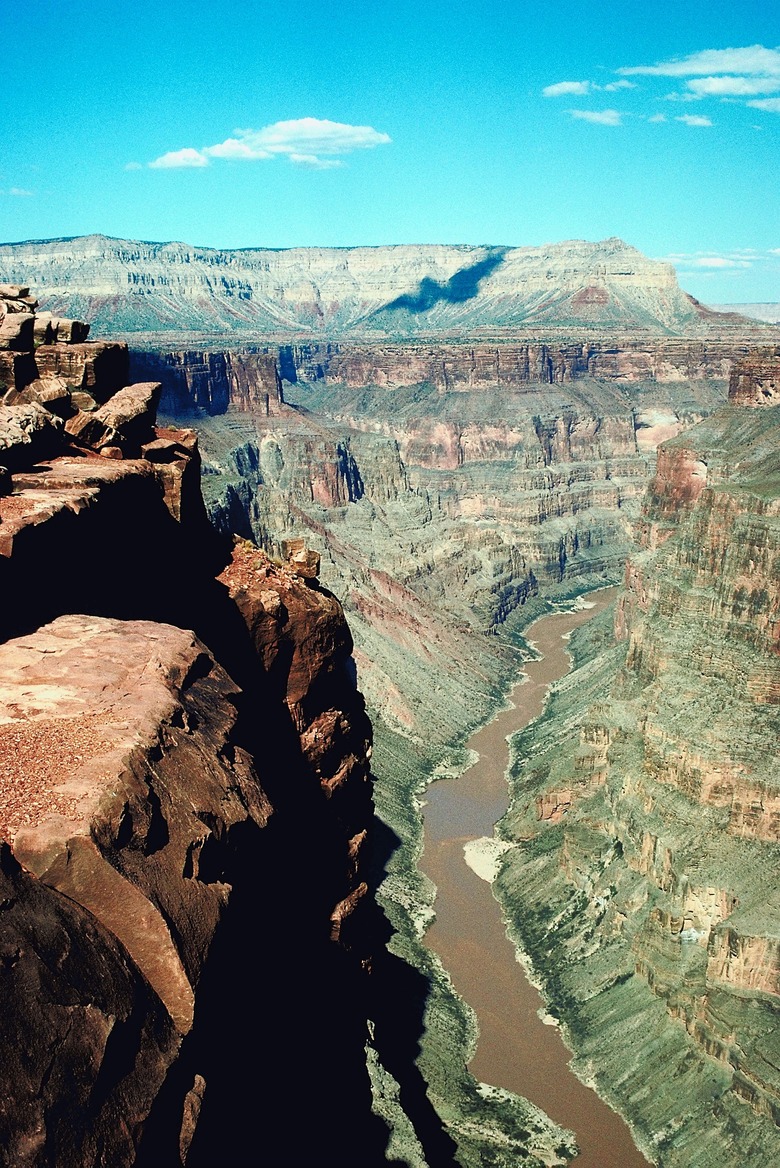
(462, 286)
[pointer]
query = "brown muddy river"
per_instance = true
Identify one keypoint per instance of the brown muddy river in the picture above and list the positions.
(516, 1050)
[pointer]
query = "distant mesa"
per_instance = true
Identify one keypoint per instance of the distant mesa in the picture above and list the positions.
(398, 292)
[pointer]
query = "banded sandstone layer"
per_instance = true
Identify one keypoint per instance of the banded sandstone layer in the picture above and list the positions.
(642, 877)
(128, 286)
(184, 805)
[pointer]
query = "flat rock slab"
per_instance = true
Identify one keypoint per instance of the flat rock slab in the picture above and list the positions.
(106, 791)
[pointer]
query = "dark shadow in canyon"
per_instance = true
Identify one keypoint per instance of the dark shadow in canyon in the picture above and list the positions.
(399, 994)
(462, 286)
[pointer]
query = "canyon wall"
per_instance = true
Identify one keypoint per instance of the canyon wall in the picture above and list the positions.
(442, 486)
(510, 365)
(185, 802)
(129, 286)
(446, 519)
(645, 819)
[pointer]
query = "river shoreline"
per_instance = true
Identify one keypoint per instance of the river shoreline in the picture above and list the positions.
(518, 1049)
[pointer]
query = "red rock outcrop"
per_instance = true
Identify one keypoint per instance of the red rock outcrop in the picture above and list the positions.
(304, 644)
(122, 787)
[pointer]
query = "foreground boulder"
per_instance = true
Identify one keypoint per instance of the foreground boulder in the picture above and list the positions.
(121, 790)
(28, 434)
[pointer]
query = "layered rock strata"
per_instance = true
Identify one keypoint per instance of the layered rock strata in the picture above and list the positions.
(171, 739)
(420, 499)
(645, 880)
(406, 291)
(453, 367)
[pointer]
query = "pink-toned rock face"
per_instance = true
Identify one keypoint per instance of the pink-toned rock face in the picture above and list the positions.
(755, 381)
(85, 705)
(680, 478)
(654, 427)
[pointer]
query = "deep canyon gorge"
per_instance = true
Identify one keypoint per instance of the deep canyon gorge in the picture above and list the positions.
(319, 476)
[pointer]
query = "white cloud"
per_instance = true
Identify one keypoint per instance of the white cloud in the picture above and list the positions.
(719, 262)
(754, 59)
(302, 140)
(234, 148)
(693, 120)
(767, 103)
(314, 162)
(733, 86)
(607, 117)
(712, 261)
(133, 166)
(21, 192)
(175, 159)
(580, 88)
(657, 118)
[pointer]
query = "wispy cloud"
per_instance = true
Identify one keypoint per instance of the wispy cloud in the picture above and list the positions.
(733, 86)
(755, 59)
(734, 260)
(685, 96)
(312, 142)
(657, 118)
(693, 120)
(581, 88)
(767, 103)
(561, 88)
(314, 162)
(719, 262)
(607, 117)
(19, 193)
(177, 159)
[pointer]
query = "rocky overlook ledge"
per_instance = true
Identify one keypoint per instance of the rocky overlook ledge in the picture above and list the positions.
(184, 803)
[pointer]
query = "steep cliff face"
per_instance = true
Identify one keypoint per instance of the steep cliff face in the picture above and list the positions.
(646, 885)
(130, 286)
(122, 793)
(184, 805)
(193, 380)
(468, 366)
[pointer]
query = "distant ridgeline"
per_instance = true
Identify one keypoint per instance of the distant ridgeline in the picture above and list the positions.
(400, 291)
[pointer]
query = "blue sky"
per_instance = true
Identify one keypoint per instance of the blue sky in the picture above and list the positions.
(283, 124)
